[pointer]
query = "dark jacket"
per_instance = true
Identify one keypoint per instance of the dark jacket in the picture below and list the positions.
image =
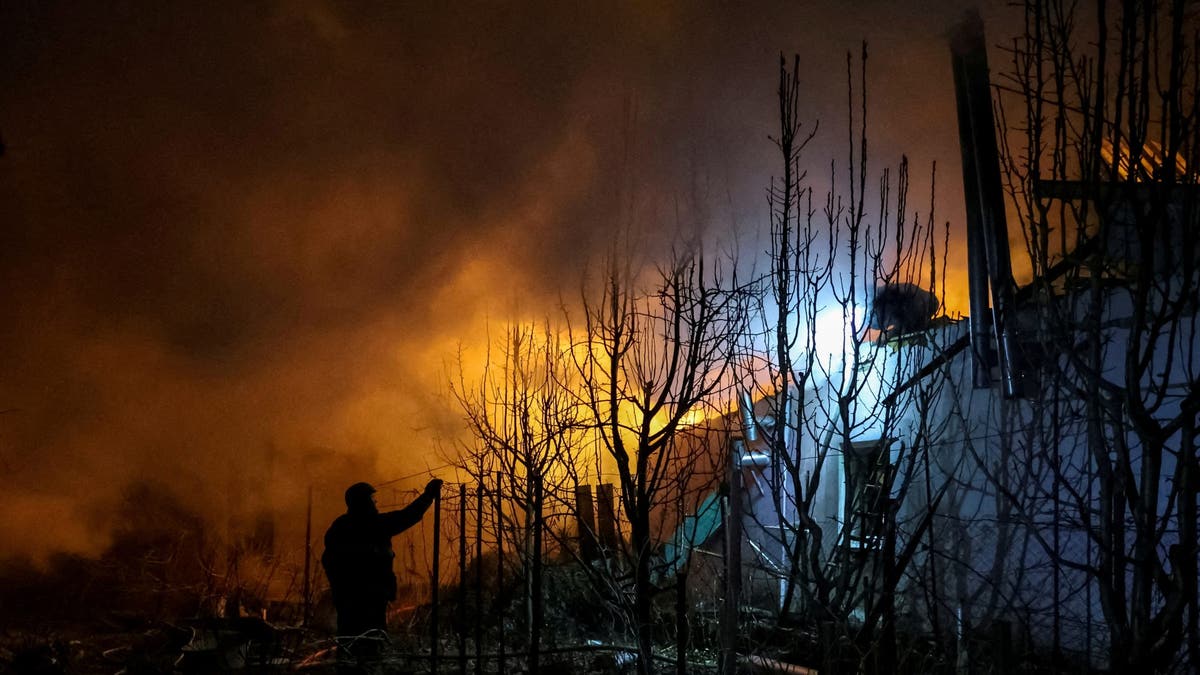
(358, 551)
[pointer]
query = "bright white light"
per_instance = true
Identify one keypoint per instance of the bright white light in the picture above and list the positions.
(832, 341)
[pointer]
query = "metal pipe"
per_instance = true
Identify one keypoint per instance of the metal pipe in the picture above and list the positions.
(977, 277)
(746, 408)
(982, 159)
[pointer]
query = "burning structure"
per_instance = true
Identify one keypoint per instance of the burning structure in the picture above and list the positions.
(1029, 475)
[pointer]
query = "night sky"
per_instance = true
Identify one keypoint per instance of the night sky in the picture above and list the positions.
(240, 243)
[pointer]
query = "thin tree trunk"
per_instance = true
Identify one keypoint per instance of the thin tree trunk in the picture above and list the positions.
(643, 588)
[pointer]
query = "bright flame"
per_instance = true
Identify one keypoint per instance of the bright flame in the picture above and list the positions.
(832, 340)
(1150, 162)
(694, 417)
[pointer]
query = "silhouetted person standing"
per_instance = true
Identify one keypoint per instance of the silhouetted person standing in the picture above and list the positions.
(358, 557)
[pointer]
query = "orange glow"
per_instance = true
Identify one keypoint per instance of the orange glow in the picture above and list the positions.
(1152, 160)
(242, 268)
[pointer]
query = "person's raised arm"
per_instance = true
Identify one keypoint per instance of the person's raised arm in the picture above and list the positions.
(398, 521)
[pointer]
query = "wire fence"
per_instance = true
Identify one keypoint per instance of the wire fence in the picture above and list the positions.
(493, 574)
(472, 571)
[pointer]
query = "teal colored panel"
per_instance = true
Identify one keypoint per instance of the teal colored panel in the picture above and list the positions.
(694, 531)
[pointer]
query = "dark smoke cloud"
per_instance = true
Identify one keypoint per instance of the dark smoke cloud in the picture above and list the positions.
(239, 241)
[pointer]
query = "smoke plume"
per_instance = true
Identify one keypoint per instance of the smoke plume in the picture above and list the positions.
(238, 245)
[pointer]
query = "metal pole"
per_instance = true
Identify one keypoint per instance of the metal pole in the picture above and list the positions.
(500, 571)
(535, 630)
(461, 616)
(307, 561)
(435, 581)
(977, 273)
(479, 578)
(973, 89)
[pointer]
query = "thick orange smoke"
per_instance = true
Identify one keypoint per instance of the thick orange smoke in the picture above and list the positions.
(238, 247)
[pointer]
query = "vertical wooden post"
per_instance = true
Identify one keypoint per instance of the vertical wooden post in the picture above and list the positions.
(499, 504)
(606, 516)
(461, 609)
(479, 578)
(585, 519)
(435, 581)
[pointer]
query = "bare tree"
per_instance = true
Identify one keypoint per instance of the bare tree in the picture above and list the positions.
(649, 362)
(1100, 143)
(526, 447)
(851, 291)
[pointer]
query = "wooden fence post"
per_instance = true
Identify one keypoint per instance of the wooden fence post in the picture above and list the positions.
(585, 518)
(607, 517)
